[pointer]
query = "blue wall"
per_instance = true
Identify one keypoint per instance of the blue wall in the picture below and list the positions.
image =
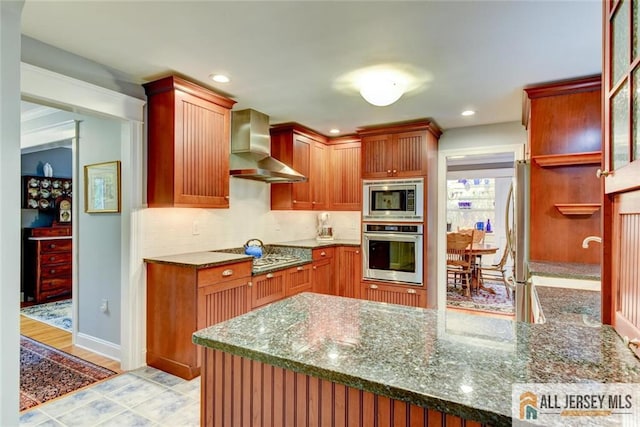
(60, 160)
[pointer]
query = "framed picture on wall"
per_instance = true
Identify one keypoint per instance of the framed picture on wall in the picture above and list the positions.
(102, 187)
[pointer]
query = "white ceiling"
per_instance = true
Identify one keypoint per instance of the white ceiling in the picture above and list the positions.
(286, 59)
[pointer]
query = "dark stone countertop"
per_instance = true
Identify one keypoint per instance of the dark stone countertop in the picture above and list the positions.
(570, 305)
(199, 259)
(566, 270)
(457, 363)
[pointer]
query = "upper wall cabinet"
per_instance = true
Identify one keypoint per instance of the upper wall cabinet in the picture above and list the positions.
(306, 152)
(188, 145)
(397, 150)
(345, 191)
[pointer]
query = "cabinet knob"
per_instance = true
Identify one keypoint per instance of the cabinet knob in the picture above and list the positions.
(373, 287)
(388, 171)
(315, 267)
(295, 201)
(269, 275)
(313, 203)
(411, 291)
(250, 284)
(52, 258)
(226, 197)
(52, 246)
(52, 271)
(600, 173)
(323, 253)
(357, 252)
(395, 171)
(227, 273)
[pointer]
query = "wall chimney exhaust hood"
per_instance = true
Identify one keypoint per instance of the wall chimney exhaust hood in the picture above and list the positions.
(251, 150)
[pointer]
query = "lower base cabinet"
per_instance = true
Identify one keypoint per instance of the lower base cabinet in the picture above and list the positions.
(349, 268)
(268, 288)
(182, 300)
(394, 294)
(298, 280)
(322, 276)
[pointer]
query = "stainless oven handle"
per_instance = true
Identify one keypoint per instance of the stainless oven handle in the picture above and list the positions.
(394, 237)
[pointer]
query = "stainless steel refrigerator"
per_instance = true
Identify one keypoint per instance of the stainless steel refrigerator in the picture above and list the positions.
(517, 220)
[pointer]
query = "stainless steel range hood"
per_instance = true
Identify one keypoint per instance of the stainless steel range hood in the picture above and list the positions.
(251, 150)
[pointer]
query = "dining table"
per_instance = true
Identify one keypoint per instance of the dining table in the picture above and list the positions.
(475, 251)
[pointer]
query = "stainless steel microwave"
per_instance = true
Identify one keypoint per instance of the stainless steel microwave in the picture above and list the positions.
(393, 200)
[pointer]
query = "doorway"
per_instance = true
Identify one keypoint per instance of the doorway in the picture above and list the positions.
(482, 176)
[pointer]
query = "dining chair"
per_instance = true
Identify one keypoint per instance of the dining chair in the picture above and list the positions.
(458, 260)
(497, 272)
(478, 235)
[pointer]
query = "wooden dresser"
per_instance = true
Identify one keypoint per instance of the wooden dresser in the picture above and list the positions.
(47, 264)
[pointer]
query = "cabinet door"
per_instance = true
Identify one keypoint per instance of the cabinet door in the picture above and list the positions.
(302, 195)
(394, 294)
(409, 150)
(345, 177)
(377, 157)
(201, 152)
(268, 288)
(322, 277)
(298, 280)
(220, 302)
(319, 176)
(349, 272)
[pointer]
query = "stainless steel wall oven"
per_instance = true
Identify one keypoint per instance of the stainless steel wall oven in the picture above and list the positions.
(393, 252)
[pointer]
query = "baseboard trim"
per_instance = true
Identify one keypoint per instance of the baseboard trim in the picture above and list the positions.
(99, 346)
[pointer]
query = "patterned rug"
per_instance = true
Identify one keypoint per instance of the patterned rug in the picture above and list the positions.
(56, 314)
(481, 300)
(47, 373)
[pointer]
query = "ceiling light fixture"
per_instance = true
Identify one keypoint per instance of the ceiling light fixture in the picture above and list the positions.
(382, 87)
(220, 78)
(468, 113)
(334, 131)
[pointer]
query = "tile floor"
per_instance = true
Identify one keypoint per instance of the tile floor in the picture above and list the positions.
(143, 397)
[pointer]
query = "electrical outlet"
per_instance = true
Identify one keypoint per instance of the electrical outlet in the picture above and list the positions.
(104, 306)
(195, 228)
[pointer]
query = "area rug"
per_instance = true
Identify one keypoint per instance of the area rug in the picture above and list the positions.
(481, 300)
(47, 373)
(56, 313)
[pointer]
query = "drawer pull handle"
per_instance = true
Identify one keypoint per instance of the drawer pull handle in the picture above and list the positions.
(300, 268)
(227, 273)
(323, 253)
(269, 275)
(52, 246)
(52, 271)
(411, 291)
(52, 258)
(373, 287)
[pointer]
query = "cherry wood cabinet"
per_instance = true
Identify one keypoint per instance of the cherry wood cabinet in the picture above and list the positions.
(298, 280)
(305, 151)
(268, 288)
(188, 145)
(395, 294)
(400, 150)
(47, 264)
(563, 120)
(349, 271)
(345, 176)
(183, 299)
(323, 274)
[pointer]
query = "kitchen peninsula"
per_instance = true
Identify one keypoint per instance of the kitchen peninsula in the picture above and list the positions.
(322, 360)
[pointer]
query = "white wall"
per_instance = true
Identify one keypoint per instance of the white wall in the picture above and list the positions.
(170, 230)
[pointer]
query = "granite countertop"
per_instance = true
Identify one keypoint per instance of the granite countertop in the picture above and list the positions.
(199, 259)
(460, 364)
(570, 305)
(565, 270)
(312, 243)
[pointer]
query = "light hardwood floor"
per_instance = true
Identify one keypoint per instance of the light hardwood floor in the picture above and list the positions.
(60, 339)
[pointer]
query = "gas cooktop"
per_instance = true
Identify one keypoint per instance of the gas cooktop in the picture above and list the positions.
(270, 261)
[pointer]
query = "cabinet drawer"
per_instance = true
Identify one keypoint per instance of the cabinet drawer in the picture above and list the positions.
(55, 293)
(56, 245)
(55, 270)
(55, 284)
(323, 253)
(51, 231)
(298, 280)
(210, 276)
(51, 258)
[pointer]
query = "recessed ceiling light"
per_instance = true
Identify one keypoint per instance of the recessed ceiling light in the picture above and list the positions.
(220, 78)
(468, 113)
(334, 131)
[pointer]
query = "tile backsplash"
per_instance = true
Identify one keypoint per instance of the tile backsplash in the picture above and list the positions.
(178, 230)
